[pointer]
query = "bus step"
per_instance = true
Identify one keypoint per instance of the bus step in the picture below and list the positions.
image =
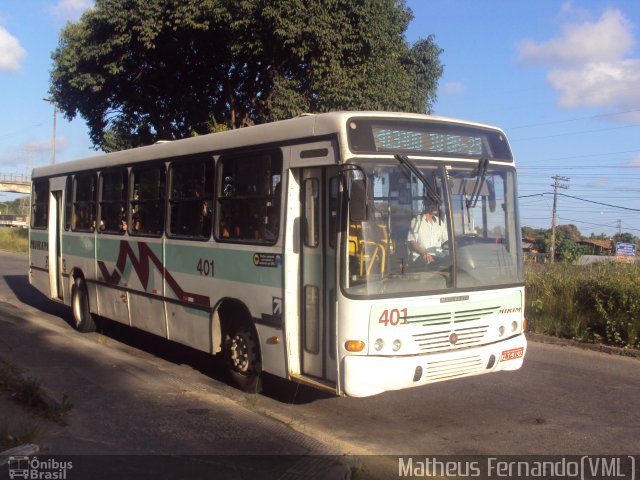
(314, 382)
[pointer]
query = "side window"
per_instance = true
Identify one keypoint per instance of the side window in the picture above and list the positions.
(147, 200)
(113, 201)
(191, 198)
(40, 204)
(311, 212)
(84, 203)
(68, 202)
(249, 197)
(334, 186)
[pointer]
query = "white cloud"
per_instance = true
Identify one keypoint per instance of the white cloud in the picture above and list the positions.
(453, 87)
(589, 65)
(11, 52)
(606, 40)
(70, 10)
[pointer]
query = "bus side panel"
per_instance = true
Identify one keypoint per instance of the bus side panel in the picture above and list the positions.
(112, 298)
(39, 260)
(253, 275)
(78, 253)
(188, 288)
(144, 278)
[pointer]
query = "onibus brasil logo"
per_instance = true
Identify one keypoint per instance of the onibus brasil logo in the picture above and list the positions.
(36, 469)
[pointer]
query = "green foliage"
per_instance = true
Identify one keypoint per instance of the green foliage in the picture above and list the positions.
(14, 240)
(19, 206)
(568, 251)
(599, 303)
(144, 70)
(568, 232)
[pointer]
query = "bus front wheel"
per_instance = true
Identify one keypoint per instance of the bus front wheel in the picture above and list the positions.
(83, 320)
(243, 359)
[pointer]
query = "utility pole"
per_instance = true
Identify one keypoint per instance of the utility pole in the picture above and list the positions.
(53, 137)
(619, 227)
(556, 185)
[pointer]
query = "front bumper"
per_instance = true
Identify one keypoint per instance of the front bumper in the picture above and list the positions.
(369, 375)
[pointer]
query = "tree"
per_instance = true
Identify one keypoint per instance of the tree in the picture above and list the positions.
(143, 70)
(569, 251)
(626, 237)
(570, 232)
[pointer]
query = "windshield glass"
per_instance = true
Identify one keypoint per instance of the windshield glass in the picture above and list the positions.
(405, 246)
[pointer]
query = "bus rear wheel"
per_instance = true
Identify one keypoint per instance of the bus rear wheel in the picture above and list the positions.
(243, 359)
(83, 320)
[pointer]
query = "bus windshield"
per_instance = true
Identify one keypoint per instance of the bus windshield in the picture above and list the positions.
(449, 228)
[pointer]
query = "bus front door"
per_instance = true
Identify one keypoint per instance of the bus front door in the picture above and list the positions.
(318, 285)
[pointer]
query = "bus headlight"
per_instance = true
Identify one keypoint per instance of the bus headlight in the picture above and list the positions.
(397, 344)
(514, 326)
(379, 344)
(501, 330)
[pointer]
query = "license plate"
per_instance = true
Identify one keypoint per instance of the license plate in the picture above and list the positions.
(512, 354)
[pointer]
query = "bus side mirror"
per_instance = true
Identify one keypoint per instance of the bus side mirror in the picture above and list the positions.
(358, 211)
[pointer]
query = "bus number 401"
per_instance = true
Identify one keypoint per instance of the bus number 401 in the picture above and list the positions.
(393, 317)
(205, 267)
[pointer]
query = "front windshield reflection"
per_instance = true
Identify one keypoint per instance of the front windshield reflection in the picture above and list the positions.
(405, 245)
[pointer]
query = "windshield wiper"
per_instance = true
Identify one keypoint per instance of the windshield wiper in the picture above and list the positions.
(477, 187)
(432, 193)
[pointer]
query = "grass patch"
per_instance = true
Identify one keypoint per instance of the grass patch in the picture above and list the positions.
(597, 303)
(14, 240)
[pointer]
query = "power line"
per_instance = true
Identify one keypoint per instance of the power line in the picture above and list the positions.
(555, 122)
(581, 199)
(573, 133)
(600, 203)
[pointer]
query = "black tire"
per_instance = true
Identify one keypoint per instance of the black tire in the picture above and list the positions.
(242, 359)
(82, 318)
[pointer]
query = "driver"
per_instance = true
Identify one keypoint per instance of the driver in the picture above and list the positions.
(427, 234)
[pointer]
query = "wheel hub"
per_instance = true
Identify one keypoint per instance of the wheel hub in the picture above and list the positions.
(239, 353)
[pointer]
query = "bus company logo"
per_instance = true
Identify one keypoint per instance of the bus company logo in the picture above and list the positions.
(39, 245)
(36, 469)
(453, 338)
(510, 310)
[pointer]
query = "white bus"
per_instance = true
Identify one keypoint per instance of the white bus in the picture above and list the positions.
(287, 248)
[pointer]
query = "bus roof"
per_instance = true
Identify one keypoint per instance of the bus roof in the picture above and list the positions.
(302, 127)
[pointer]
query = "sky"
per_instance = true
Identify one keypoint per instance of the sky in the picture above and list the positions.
(562, 78)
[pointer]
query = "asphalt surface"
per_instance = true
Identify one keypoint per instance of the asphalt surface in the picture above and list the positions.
(135, 417)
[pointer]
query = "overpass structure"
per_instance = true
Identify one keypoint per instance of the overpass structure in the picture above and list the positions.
(14, 182)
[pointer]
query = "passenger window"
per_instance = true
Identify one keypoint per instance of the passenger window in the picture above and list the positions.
(191, 198)
(147, 200)
(249, 197)
(68, 202)
(84, 203)
(113, 202)
(40, 204)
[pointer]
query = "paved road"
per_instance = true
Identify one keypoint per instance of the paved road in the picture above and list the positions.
(564, 400)
(144, 400)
